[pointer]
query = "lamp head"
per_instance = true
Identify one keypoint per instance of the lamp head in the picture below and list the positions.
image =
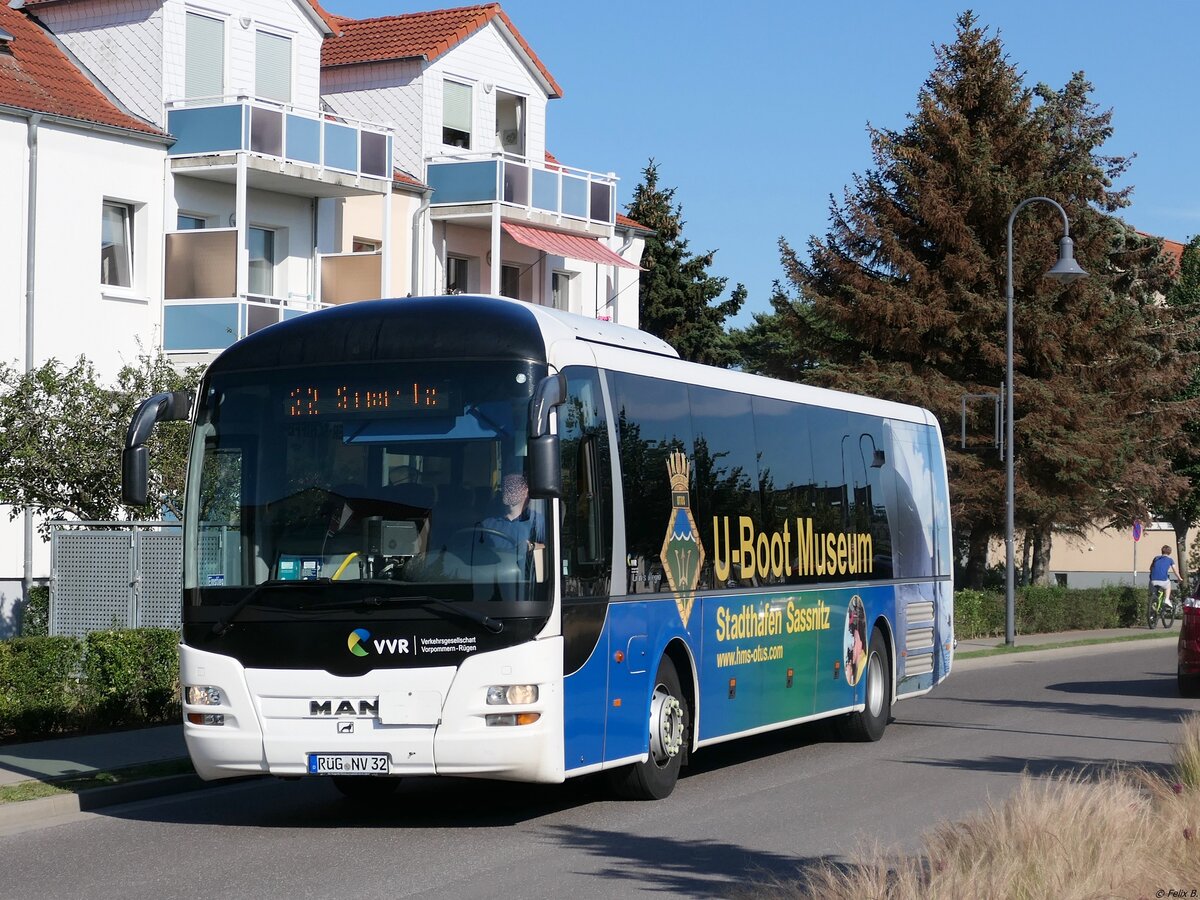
(1066, 269)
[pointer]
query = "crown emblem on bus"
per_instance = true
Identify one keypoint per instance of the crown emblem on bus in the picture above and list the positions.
(682, 551)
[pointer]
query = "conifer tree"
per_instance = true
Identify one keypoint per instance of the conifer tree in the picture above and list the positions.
(678, 298)
(1182, 507)
(907, 290)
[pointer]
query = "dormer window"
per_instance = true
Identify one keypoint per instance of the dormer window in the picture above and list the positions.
(456, 114)
(5, 41)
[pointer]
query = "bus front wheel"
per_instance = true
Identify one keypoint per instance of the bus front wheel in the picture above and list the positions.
(869, 723)
(670, 722)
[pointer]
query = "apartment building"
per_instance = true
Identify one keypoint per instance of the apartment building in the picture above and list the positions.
(240, 162)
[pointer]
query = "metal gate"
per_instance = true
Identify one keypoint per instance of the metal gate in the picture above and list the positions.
(115, 575)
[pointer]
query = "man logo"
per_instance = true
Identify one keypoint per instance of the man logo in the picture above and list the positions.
(358, 637)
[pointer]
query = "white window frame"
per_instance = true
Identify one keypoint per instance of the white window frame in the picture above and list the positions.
(510, 267)
(291, 68)
(121, 257)
(470, 114)
(564, 286)
(271, 269)
(221, 20)
(202, 220)
(453, 262)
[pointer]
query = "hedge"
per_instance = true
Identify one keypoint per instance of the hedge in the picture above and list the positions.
(61, 685)
(35, 620)
(125, 678)
(1039, 610)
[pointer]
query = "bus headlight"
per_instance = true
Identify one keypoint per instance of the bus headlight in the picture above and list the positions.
(512, 694)
(205, 695)
(513, 719)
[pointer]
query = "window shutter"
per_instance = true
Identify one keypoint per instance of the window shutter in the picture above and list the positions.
(456, 106)
(204, 63)
(273, 67)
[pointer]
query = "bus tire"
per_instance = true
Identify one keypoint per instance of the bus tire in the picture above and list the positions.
(670, 725)
(869, 723)
(365, 787)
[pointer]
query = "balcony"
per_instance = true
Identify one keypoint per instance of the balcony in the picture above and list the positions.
(329, 157)
(203, 312)
(554, 195)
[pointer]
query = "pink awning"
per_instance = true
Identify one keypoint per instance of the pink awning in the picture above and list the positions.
(572, 246)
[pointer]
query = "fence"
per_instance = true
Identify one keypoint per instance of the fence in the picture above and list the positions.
(114, 575)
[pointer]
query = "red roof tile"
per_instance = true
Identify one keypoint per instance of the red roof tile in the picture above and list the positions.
(1170, 248)
(627, 222)
(423, 35)
(1174, 249)
(35, 74)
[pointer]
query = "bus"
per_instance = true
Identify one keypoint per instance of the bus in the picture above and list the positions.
(471, 536)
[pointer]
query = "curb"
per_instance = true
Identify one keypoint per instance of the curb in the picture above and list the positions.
(41, 811)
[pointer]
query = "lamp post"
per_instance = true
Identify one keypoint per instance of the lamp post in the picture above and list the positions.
(1065, 271)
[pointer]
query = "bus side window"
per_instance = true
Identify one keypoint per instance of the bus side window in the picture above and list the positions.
(587, 487)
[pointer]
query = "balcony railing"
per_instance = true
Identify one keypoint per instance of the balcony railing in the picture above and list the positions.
(201, 325)
(467, 178)
(203, 312)
(306, 137)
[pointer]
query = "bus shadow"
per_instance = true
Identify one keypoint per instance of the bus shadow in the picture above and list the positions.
(679, 867)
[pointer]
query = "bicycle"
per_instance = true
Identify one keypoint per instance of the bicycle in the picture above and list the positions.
(1156, 609)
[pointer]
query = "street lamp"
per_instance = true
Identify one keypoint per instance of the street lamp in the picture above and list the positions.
(1065, 271)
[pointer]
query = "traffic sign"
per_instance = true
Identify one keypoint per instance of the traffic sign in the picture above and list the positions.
(1137, 531)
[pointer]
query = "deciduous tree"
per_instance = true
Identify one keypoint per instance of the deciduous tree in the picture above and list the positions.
(61, 434)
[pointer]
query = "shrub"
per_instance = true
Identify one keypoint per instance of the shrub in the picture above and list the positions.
(35, 621)
(978, 614)
(1040, 610)
(39, 685)
(132, 676)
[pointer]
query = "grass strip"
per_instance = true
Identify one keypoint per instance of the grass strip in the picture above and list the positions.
(1082, 642)
(34, 789)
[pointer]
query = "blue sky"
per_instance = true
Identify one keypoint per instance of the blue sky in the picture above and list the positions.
(755, 111)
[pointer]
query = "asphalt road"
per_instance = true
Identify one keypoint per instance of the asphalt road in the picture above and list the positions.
(761, 806)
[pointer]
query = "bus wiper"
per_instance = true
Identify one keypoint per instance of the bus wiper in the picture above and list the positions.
(495, 626)
(224, 623)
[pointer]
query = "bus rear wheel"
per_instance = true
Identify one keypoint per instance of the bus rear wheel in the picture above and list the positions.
(365, 787)
(670, 725)
(869, 723)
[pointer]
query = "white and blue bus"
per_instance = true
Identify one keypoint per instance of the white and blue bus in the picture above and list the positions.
(702, 554)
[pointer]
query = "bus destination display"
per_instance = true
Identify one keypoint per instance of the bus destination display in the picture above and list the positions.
(348, 399)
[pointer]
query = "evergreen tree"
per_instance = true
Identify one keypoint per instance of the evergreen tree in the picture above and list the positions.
(1182, 507)
(677, 297)
(905, 294)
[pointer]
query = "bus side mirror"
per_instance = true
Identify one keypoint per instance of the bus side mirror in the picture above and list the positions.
(545, 470)
(135, 475)
(173, 406)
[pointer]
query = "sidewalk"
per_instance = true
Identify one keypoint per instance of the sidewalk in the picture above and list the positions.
(72, 756)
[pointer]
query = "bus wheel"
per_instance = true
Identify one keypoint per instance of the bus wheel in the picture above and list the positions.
(670, 723)
(365, 787)
(868, 725)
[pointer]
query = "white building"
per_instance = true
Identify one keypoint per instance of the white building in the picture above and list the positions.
(243, 161)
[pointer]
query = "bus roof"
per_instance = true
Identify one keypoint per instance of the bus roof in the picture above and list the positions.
(500, 327)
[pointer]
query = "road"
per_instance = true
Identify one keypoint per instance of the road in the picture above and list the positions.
(761, 806)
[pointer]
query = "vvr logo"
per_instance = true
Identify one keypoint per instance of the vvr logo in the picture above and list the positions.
(358, 637)
(357, 642)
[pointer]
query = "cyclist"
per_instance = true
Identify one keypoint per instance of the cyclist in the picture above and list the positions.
(1162, 569)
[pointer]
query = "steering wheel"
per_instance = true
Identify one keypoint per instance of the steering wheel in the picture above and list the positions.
(481, 530)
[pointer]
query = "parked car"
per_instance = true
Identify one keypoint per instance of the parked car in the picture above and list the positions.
(1189, 646)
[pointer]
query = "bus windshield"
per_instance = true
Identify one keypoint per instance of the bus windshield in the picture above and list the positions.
(363, 483)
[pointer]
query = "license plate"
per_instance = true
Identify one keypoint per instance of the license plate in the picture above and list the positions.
(349, 764)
